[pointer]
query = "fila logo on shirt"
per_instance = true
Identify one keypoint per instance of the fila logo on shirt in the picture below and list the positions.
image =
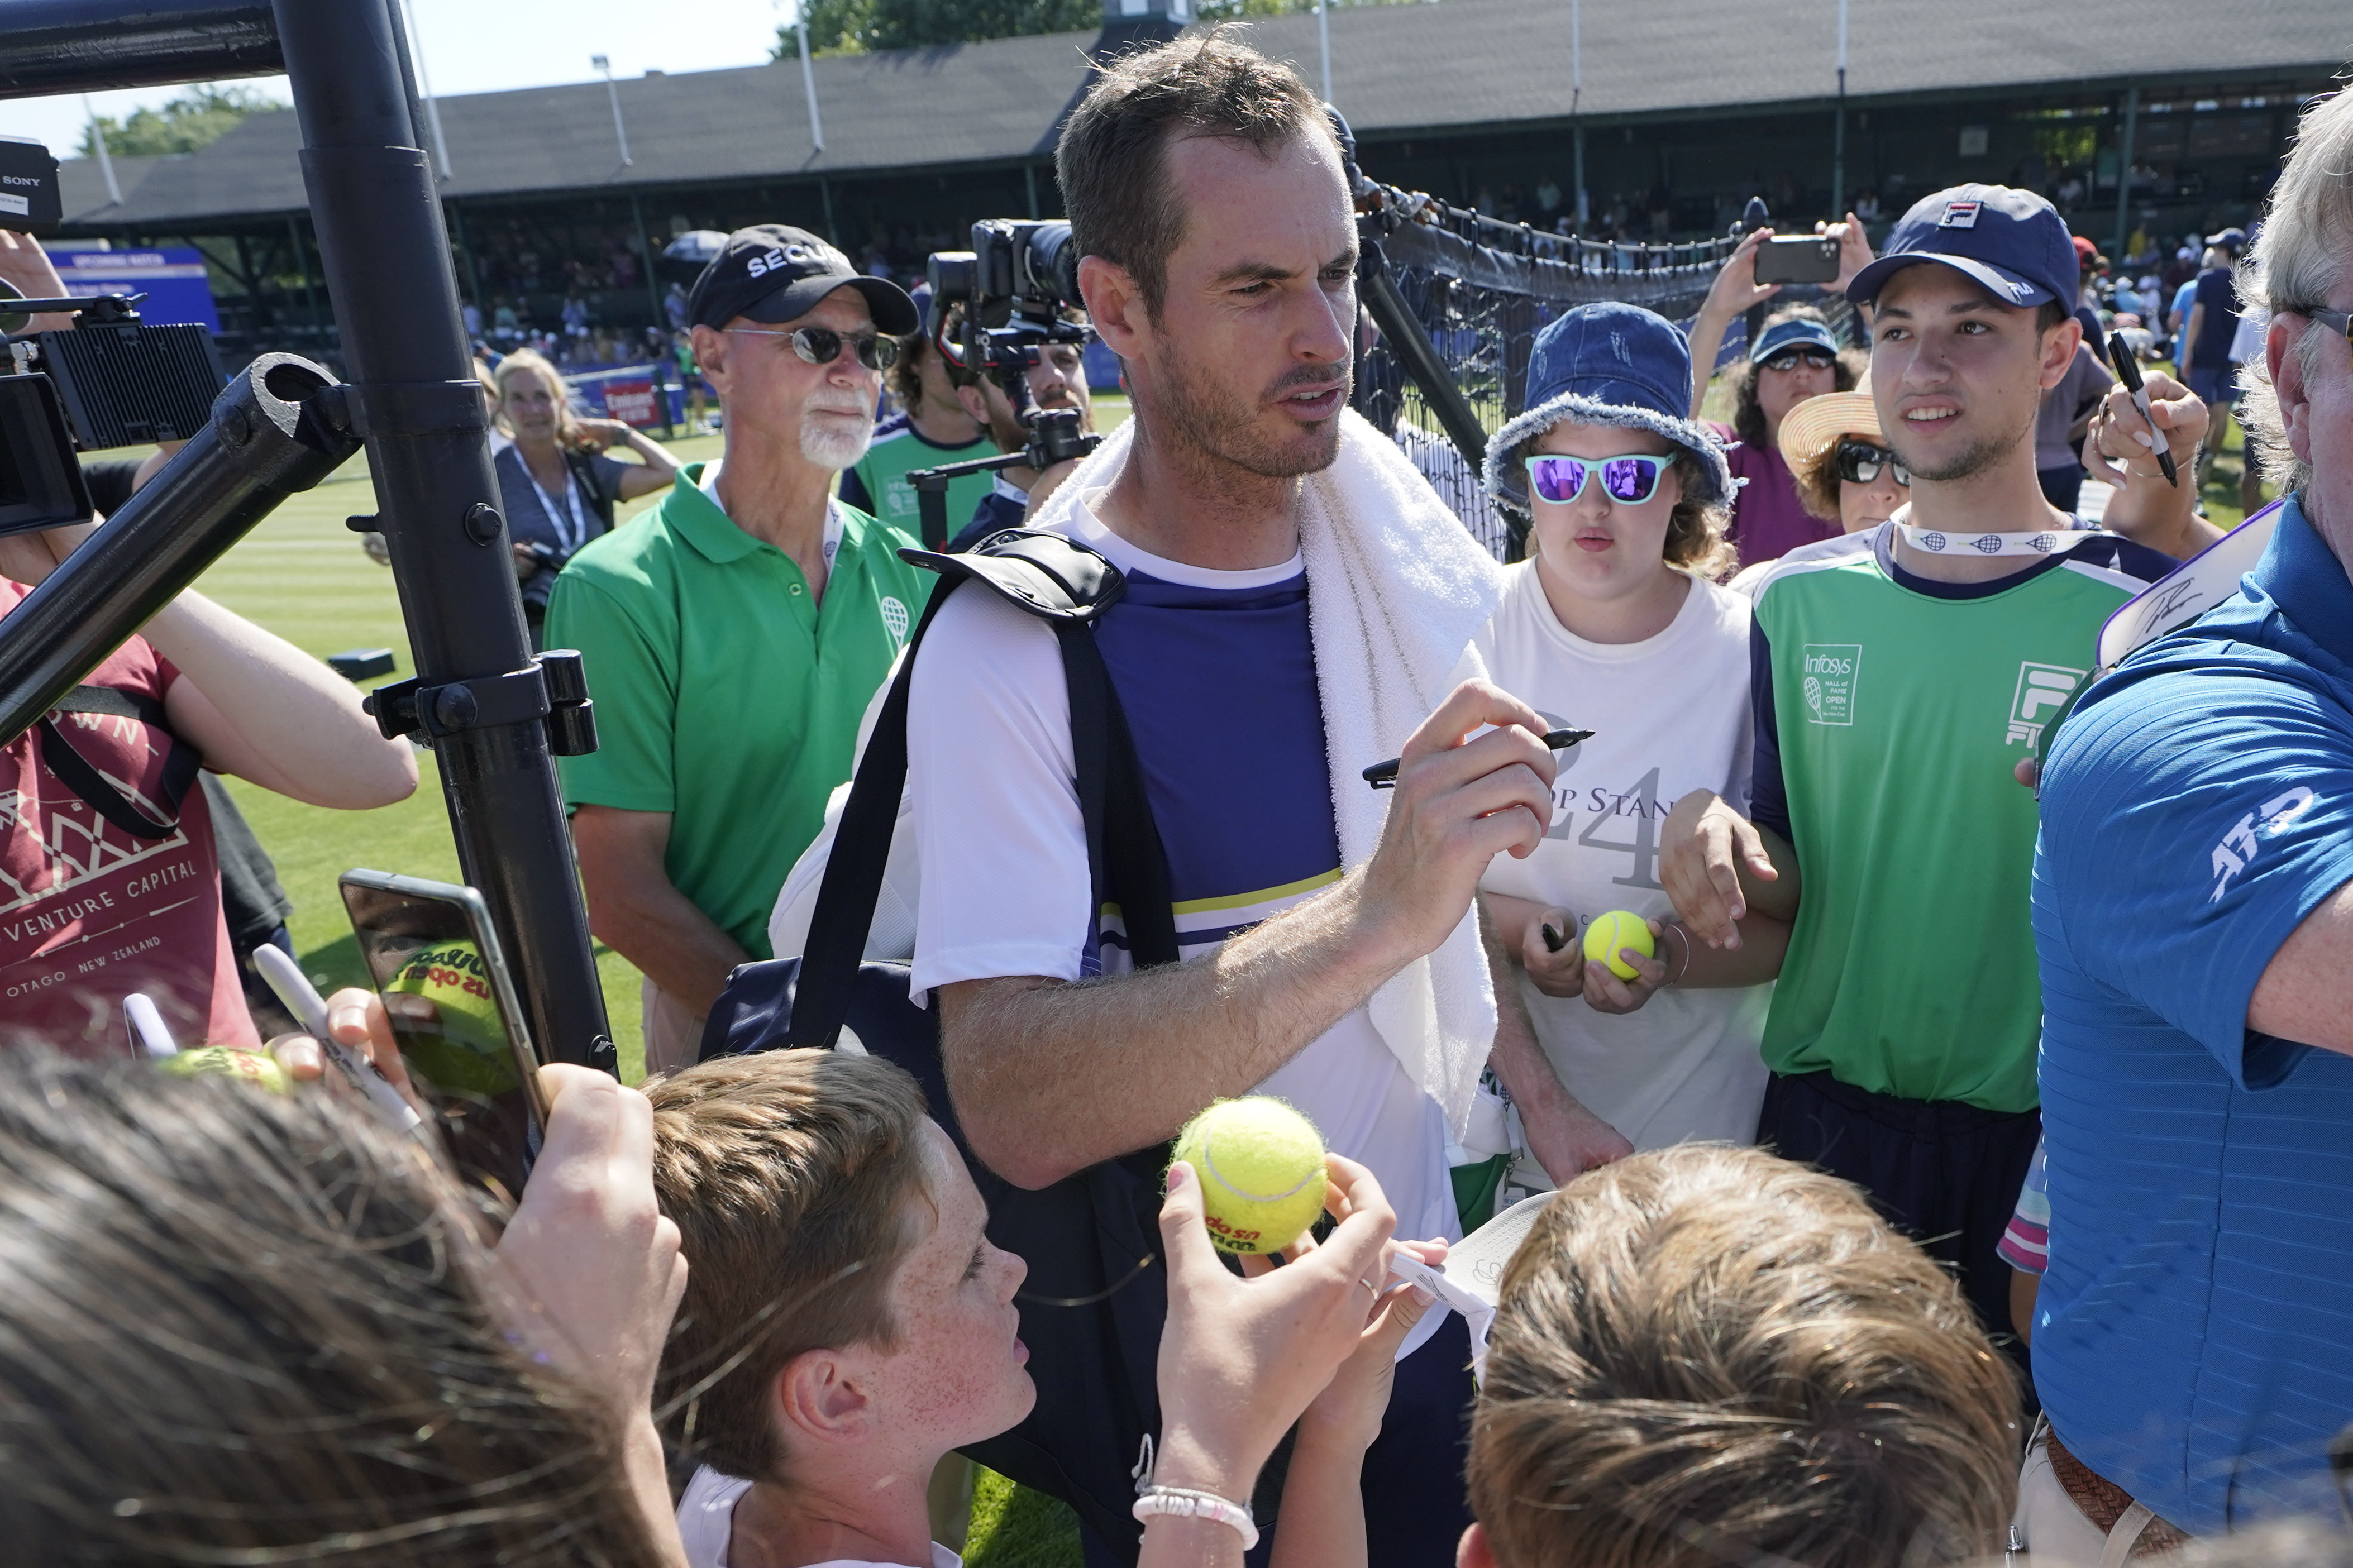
(2238, 846)
(2042, 690)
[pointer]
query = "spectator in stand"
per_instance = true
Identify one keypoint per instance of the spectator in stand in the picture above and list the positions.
(1615, 619)
(674, 306)
(931, 429)
(2193, 915)
(1844, 471)
(1898, 675)
(734, 632)
(110, 870)
(471, 315)
(2214, 321)
(243, 1327)
(556, 485)
(2059, 426)
(505, 325)
(1794, 358)
(1059, 380)
(576, 317)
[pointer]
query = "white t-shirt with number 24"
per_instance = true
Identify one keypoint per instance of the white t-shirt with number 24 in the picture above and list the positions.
(1668, 715)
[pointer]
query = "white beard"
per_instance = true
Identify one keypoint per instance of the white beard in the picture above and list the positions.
(836, 442)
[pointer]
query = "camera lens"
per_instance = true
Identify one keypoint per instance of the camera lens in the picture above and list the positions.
(1055, 261)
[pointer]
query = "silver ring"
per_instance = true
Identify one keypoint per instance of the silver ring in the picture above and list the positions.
(1373, 1287)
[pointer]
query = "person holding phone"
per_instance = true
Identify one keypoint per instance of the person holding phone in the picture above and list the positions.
(1615, 624)
(1793, 357)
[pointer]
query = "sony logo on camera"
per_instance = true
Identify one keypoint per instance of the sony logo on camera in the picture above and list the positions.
(29, 200)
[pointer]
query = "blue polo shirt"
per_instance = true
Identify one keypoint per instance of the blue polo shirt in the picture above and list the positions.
(2193, 1340)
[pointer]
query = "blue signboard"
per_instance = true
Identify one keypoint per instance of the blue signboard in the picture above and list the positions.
(171, 277)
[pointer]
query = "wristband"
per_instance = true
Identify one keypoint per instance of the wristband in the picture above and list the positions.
(1184, 1502)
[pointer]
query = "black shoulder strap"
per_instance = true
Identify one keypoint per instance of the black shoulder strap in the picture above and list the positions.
(591, 485)
(1068, 586)
(73, 771)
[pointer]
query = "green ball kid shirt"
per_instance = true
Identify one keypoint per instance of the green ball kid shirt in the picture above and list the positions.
(1890, 710)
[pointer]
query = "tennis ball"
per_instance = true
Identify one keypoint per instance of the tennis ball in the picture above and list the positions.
(460, 1045)
(1610, 931)
(1261, 1169)
(227, 1062)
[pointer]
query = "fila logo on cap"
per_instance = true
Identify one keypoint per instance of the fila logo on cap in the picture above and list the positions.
(1959, 215)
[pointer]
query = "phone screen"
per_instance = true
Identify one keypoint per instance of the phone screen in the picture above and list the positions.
(432, 957)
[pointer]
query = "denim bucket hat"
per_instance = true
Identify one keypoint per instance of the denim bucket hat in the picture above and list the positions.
(1612, 364)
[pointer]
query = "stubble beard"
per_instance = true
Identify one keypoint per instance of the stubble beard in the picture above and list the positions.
(837, 442)
(1988, 452)
(1198, 412)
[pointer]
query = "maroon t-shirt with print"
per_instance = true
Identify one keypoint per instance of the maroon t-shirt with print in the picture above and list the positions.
(89, 913)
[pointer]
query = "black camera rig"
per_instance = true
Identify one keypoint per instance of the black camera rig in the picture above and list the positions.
(1014, 284)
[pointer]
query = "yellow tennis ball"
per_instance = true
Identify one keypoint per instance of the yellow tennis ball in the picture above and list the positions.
(1610, 931)
(1261, 1169)
(462, 1045)
(227, 1062)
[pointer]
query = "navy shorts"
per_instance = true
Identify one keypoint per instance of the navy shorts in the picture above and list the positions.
(2215, 384)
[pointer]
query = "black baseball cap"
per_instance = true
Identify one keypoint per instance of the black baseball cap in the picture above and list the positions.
(771, 273)
(2012, 241)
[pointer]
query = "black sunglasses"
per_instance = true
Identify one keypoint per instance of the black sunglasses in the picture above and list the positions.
(822, 345)
(1861, 462)
(1813, 359)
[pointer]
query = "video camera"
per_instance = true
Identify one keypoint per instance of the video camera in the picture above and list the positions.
(1014, 284)
(112, 381)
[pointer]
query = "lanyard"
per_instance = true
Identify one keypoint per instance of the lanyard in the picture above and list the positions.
(1935, 541)
(579, 532)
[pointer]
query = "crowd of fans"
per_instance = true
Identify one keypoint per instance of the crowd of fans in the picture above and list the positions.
(1958, 1167)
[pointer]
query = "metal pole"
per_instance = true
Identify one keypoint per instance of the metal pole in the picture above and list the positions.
(620, 132)
(809, 86)
(1324, 41)
(424, 81)
(1838, 137)
(646, 255)
(105, 164)
(1030, 183)
(825, 194)
(2124, 174)
(261, 446)
(303, 265)
(1576, 96)
(415, 401)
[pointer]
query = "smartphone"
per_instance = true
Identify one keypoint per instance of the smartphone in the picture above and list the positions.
(434, 957)
(1799, 258)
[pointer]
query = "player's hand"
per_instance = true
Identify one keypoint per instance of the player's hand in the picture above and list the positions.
(1560, 973)
(1604, 993)
(1241, 1359)
(1735, 287)
(1705, 845)
(2120, 436)
(591, 1265)
(1458, 804)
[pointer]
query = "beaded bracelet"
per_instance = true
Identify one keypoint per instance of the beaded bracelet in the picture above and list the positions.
(1184, 1502)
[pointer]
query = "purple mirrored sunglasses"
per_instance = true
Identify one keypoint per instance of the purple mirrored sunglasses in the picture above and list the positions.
(1631, 479)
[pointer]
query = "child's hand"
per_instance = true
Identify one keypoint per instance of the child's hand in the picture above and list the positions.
(1604, 993)
(1347, 1413)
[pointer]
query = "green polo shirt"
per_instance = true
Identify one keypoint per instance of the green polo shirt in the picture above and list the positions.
(725, 696)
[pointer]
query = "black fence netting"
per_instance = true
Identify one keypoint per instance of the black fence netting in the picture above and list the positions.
(1479, 291)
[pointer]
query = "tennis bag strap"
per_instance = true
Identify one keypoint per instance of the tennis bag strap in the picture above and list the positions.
(1067, 586)
(180, 767)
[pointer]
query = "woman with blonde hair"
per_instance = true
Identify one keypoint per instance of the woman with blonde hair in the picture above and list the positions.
(1616, 626)
(556, 486)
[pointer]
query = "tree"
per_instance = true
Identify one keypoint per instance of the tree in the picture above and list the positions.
(197, 117)
(855, 26)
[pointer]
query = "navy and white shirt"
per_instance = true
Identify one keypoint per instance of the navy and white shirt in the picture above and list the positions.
(1216, 673)
(2193, 1340)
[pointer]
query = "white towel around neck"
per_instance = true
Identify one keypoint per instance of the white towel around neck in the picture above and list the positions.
(1396, 590)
